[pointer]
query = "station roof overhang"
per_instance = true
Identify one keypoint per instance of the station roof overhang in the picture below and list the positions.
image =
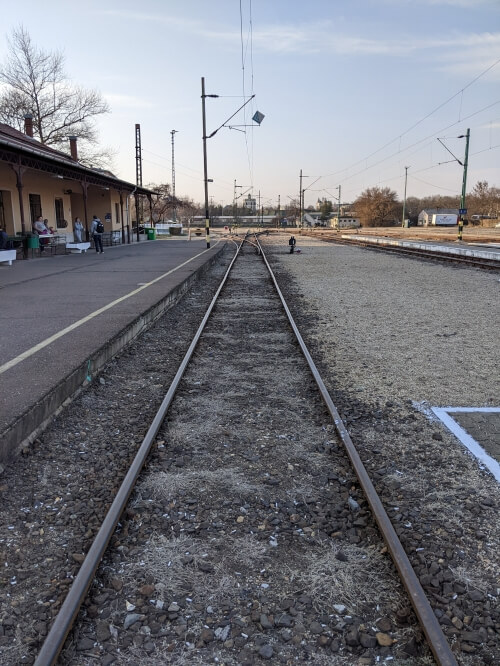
(47, 160)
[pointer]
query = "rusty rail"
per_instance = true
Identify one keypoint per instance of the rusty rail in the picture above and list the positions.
(66, 616)
(64, 620)
(428, 621)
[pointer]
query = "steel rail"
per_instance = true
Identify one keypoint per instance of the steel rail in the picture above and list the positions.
(490, 264)
(428, 621)
(63, 623)
(66, 616)
(425, 254)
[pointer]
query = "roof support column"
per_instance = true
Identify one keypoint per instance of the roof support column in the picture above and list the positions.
(19, 170)
(136, 196)
(121, 216)
(85, 186)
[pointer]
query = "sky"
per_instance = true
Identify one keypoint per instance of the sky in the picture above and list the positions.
(353, 91)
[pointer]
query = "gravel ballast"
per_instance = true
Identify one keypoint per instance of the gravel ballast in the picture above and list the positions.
(390, 338)
(393, 336)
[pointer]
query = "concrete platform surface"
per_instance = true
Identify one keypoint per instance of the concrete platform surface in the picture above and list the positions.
(59, 312)
(473, 250)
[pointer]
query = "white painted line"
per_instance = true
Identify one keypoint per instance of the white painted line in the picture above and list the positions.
(80, 322)
(443, 413)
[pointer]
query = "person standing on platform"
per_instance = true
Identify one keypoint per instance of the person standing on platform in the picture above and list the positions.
(96, 231)
(5, 243)
(292, 242)
(77, 230)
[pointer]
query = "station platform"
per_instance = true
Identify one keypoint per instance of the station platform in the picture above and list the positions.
(65, 316)
(476, 250)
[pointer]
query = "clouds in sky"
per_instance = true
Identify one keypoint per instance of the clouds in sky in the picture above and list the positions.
(458, 51)
(337, 79)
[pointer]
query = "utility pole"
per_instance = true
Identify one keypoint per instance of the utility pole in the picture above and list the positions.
(464, 186)
(257, 118)
(138, 156)
(205, 175)
(463, 210)
(279, 211)
(301, 194)
(138, 175)
(404, 200)
(338, 209)
(173, 132)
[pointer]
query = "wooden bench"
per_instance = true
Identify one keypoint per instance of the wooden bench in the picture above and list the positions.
(7, 256)
(77, 248)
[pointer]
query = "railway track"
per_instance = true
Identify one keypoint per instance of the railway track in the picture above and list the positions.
(257, 521)
(416, 252)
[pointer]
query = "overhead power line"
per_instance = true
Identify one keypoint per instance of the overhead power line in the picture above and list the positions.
(419, 122)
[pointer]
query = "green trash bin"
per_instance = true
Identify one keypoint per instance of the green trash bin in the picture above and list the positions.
(33, 242)
(151, 234)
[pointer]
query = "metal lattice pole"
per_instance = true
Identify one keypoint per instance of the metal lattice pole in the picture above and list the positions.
(174, 215)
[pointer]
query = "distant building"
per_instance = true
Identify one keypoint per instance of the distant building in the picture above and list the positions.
(322, 201)
(345, 222)
(250, 204)
(37, 180)
(425, 216)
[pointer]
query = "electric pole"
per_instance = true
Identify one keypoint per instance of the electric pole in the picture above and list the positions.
(404, 199)
(205, 175)
(301, 194)
(138, 175)
(463, 209)
(173, 132)
(338, 209)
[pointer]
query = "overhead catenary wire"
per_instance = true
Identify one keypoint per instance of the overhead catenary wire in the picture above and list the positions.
(402, 151)
(428, 115)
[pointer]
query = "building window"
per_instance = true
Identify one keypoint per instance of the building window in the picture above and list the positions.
(59, 213)
(35, 207)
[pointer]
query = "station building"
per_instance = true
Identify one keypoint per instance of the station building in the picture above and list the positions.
(36, 179)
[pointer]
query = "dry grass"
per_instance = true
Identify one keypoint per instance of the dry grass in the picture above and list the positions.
(365, 579)
(183, 656)
(167, 486)
(164, 561)
(471, 580)
(246, 550)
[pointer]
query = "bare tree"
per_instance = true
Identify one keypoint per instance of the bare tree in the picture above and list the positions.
(163, 204)
(187, 208)
(484, 200)
(377, 207)
(36, 83)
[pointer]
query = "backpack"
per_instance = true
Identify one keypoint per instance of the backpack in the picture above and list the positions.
(99, 227)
